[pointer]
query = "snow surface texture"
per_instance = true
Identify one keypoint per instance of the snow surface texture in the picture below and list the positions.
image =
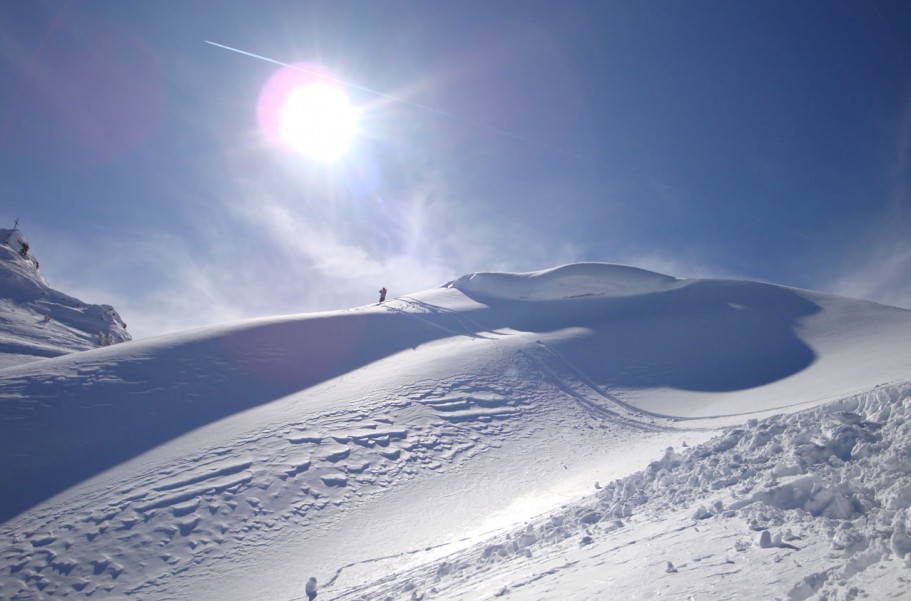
(588, 432)
(37, 321)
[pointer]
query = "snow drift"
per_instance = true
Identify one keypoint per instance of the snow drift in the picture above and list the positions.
(566, 282)
(446, 445)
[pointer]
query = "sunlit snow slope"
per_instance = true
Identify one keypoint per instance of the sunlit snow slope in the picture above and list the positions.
(37, 321)
(372, 446)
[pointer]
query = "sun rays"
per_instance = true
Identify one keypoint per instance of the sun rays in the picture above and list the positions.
(308, 113)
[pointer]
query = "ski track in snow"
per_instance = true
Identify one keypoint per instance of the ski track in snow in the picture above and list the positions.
(573, 382)
(456, 324)
(206, 507)
(827, 487)
(564, 374)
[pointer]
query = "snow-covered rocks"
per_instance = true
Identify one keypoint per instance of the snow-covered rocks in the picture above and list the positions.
(38, 321)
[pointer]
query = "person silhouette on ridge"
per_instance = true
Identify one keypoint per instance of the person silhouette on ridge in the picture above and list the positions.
(382, 294)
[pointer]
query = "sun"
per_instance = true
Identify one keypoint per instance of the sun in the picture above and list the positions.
(318, 121)
(309, 114)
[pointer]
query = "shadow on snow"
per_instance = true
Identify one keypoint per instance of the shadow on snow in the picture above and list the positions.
(67, 419)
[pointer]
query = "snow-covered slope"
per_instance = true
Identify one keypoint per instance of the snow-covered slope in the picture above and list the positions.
(447, 445)
(37, 321)
(812, 505)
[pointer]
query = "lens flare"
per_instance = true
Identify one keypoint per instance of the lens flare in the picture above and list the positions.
(308, 114)
(318, 121)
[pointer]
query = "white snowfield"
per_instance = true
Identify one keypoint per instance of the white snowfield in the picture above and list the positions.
(586, 432)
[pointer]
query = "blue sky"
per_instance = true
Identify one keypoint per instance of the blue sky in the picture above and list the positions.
(762, 140)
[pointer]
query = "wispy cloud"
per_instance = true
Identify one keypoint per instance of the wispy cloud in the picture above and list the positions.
(154, 280)
(880, 270)
(678, 266)
(880, 267)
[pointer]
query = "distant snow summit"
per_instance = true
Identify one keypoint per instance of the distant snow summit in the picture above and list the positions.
(39, 321)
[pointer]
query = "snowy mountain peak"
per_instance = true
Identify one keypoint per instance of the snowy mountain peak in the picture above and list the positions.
(40, 321)
(20, 266)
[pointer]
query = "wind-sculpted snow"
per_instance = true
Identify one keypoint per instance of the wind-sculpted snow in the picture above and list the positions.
(391, 450)
(131, 531)
(568, 281)
(37, 321)
(130, 406)
(810, 505)
(650, 331)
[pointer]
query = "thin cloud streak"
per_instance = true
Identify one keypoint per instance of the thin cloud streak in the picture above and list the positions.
(880, 268)
(884, 277)
(400, 100)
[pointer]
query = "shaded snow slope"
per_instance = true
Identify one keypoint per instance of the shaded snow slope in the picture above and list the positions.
(133, 398)
(685, 346)
(237, 461)
(37, 321)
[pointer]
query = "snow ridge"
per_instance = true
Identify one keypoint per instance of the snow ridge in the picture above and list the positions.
(576, 280)
(39, 321)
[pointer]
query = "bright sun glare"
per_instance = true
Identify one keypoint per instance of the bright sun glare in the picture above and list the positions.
(305, 111)
(318, 121)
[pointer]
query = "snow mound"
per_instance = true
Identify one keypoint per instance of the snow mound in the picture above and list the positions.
(40, 321)
(568, 281)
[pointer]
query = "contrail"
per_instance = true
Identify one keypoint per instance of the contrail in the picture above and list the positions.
(399, 100)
